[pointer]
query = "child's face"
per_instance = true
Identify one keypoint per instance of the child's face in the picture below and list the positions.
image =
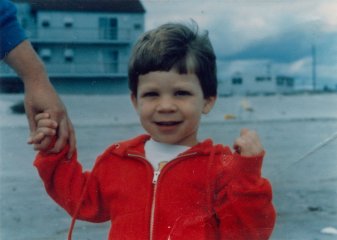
(170, 106)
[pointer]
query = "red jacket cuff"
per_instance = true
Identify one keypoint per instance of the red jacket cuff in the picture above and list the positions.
(250, 164)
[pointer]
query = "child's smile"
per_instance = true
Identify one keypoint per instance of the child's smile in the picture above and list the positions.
(170, 105)
(168, 124)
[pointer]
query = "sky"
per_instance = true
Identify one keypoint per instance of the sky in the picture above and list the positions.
(253, 37)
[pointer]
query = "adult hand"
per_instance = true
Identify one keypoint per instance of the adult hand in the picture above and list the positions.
(45, 99)
(248, 144)
(40, 95)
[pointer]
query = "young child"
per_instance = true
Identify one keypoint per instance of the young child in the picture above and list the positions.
(166, 184)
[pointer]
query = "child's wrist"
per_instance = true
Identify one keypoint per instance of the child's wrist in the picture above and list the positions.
(46, 144)
(252, 163)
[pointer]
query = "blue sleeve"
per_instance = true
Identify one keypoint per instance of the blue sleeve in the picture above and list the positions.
(11, 33)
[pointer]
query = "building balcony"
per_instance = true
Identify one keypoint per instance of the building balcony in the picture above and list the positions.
(51, 35)
(73, 71)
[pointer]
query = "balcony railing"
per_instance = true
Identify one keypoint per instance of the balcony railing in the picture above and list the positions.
(118, 35)
(75, 69)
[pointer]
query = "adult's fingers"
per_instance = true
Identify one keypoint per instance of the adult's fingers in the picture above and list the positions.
(30, 113)
(72, 139)
(62, 136)
(31, 118)
(66, 134)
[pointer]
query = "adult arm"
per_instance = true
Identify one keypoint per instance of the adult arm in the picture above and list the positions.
(40, 95)
(11, 33)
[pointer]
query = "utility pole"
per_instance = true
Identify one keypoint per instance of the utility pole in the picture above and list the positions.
(268, 67)
(313, 52)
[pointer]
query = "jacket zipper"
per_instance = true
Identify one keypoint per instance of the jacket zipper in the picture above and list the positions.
(153, 203)
(155, 178)
(154, 187)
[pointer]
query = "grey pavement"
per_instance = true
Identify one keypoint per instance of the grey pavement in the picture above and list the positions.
(305, 192)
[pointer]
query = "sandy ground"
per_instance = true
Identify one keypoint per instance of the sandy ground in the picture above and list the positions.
(305, 192)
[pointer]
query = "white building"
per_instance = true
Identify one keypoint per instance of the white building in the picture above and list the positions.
(240, 84)
(85, 44)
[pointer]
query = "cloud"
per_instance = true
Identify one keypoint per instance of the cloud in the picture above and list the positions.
(286, 46)
(248, 34)
(298, 66)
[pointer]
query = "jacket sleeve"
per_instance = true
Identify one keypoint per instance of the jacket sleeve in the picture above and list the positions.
(243, 203)
(11, 33)
(65, 182)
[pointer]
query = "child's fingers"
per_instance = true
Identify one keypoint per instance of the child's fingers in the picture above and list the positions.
(47, 123)
(44, 120)
(40, 116)
(43, 145)
(239, 144)
(244, 131)
(248, 143)
(40, 134)
(248, 136)
(37, 138)
(45, 127)
(47, 131)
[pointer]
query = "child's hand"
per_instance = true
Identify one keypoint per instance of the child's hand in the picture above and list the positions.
(248, 144)
(46, 129)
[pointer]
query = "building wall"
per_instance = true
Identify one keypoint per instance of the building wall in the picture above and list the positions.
(81, 45)
(84, 26)
(249, 85)
(93, 49)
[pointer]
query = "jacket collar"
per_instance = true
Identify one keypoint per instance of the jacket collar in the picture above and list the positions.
(136, 146)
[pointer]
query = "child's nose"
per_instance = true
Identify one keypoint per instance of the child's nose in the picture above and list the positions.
(166, 104)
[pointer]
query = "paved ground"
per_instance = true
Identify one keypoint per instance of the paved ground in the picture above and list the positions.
(305, 192)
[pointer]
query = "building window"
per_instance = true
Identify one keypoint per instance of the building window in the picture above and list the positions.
(68, 22)
(108, 28)
(45, 22)
(285, 81)
(137, 26)
(110, 61)
(236, 80)
(290, 82)
(45, 54)
(69, 55)
(263, 79)
(279, 81)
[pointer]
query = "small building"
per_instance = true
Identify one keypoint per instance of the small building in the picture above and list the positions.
(262, 84)
(258, 85)
(285, 84)
(85, 44)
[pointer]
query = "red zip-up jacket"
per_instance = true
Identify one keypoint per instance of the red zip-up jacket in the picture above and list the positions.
(205, 193)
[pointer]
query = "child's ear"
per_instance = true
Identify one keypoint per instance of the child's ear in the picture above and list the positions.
(133, 98)
(208, 104)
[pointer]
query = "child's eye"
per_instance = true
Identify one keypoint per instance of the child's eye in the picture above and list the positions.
(150, 94)
(183, 93)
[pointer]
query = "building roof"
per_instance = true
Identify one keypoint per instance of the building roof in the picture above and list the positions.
(122, 6)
